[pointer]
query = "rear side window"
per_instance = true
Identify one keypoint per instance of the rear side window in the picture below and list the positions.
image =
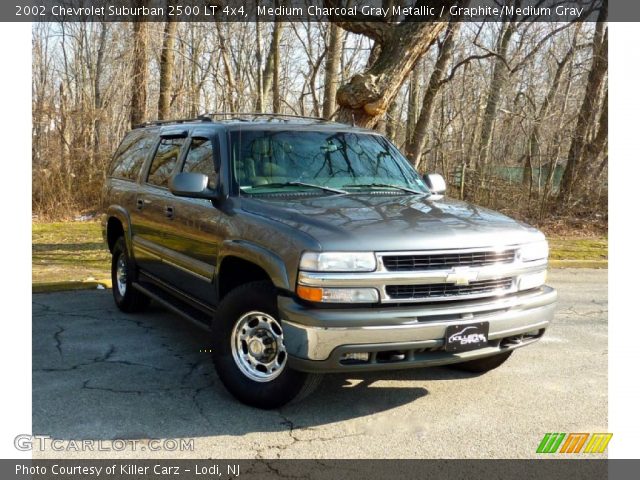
(164, 161)
(200, 158)
(131, 155)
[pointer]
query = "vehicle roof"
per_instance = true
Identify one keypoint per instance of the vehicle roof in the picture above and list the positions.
(258, 122)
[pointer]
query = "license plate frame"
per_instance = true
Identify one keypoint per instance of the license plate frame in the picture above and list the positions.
(465, 337)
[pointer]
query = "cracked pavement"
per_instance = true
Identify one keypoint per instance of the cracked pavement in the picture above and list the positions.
(100, 374)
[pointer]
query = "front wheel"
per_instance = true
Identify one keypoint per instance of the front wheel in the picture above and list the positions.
(249, 350)
(483, 365)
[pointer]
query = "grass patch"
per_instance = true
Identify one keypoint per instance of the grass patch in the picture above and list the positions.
(579, 249)
(568, 252)
(72, 255)
(68, 252)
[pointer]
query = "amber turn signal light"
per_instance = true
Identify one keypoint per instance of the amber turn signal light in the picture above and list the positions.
(313, 294)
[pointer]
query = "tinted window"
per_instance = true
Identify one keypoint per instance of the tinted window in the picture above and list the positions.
(131, 155)
(164, 161)
(200, 158)
(268, 161)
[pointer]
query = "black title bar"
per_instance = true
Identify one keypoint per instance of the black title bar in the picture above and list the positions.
(311, 10)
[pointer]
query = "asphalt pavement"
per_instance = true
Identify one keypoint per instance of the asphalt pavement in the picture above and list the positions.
(124, 380)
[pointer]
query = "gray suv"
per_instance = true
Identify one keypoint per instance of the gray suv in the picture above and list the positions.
(306, 247)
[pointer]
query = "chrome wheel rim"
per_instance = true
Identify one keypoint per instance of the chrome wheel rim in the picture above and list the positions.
(121, 275)
(257, 344)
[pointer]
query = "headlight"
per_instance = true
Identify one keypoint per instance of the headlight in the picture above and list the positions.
(534, 251)
(532, 280)
(338, 262)
(338, 295)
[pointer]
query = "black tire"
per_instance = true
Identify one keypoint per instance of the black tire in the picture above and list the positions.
(288, 386)
(128, 299)
(483, 365)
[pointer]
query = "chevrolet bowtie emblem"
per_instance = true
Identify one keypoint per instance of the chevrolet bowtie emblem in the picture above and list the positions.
(462, 275)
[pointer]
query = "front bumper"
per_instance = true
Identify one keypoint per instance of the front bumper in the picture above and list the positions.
(405, 337)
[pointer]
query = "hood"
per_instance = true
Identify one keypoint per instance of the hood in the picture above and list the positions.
(383, 222)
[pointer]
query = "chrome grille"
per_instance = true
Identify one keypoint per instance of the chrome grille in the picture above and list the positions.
(444, 290)
(426, 261)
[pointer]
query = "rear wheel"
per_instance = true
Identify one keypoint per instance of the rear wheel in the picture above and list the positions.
(249, 350)
(127, 298)
(483, 365)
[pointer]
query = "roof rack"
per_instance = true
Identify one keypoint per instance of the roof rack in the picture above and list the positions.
(177, 120)
(209, 117)
(237, 115)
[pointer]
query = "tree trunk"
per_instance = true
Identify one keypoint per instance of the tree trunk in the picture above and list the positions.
(533, 146)
(597, 145)
(391, 121)
(140, 74)
(260, 100)
(412, 107)
(575, 159)
(267, 72)
(228, 71)
(166, 69)
(419, 140)
(277, 35)
(65, 140)
(366, 97)
(97, 90)
(332, 70)
(557, 141)
(498, 79)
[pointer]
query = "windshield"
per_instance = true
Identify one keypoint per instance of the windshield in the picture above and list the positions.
(327, 162)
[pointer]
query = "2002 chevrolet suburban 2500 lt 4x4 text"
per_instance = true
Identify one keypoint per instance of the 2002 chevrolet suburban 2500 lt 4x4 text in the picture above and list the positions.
(308, 247)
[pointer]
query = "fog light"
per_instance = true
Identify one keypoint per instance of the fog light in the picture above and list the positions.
(355, 357)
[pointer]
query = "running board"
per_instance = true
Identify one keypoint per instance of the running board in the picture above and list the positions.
(199, 318)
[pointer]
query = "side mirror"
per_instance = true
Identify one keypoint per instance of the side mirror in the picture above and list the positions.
(192, 185)
(436, 183)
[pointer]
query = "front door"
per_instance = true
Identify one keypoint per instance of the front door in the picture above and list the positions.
(200, 223)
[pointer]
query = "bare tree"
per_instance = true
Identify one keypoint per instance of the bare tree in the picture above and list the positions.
(275, 45)
(140, 74)
(166, 68)
(231, 89)
(577, 161)
(415, 84)
(334, 57)
(367, 96)
(272, 61)
(419, 138)
(498, 79)
(533, 151)
(260, 101)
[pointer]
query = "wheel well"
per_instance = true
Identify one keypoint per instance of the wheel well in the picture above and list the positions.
(114, 232)
(235, 271)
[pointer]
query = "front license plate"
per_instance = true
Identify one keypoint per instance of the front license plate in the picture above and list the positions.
(462, 338)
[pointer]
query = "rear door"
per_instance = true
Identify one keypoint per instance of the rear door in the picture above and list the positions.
(156, 237)
(129, 164)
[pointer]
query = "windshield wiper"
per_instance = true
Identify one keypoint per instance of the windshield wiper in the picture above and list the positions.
(386, 185)
(300, 184)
